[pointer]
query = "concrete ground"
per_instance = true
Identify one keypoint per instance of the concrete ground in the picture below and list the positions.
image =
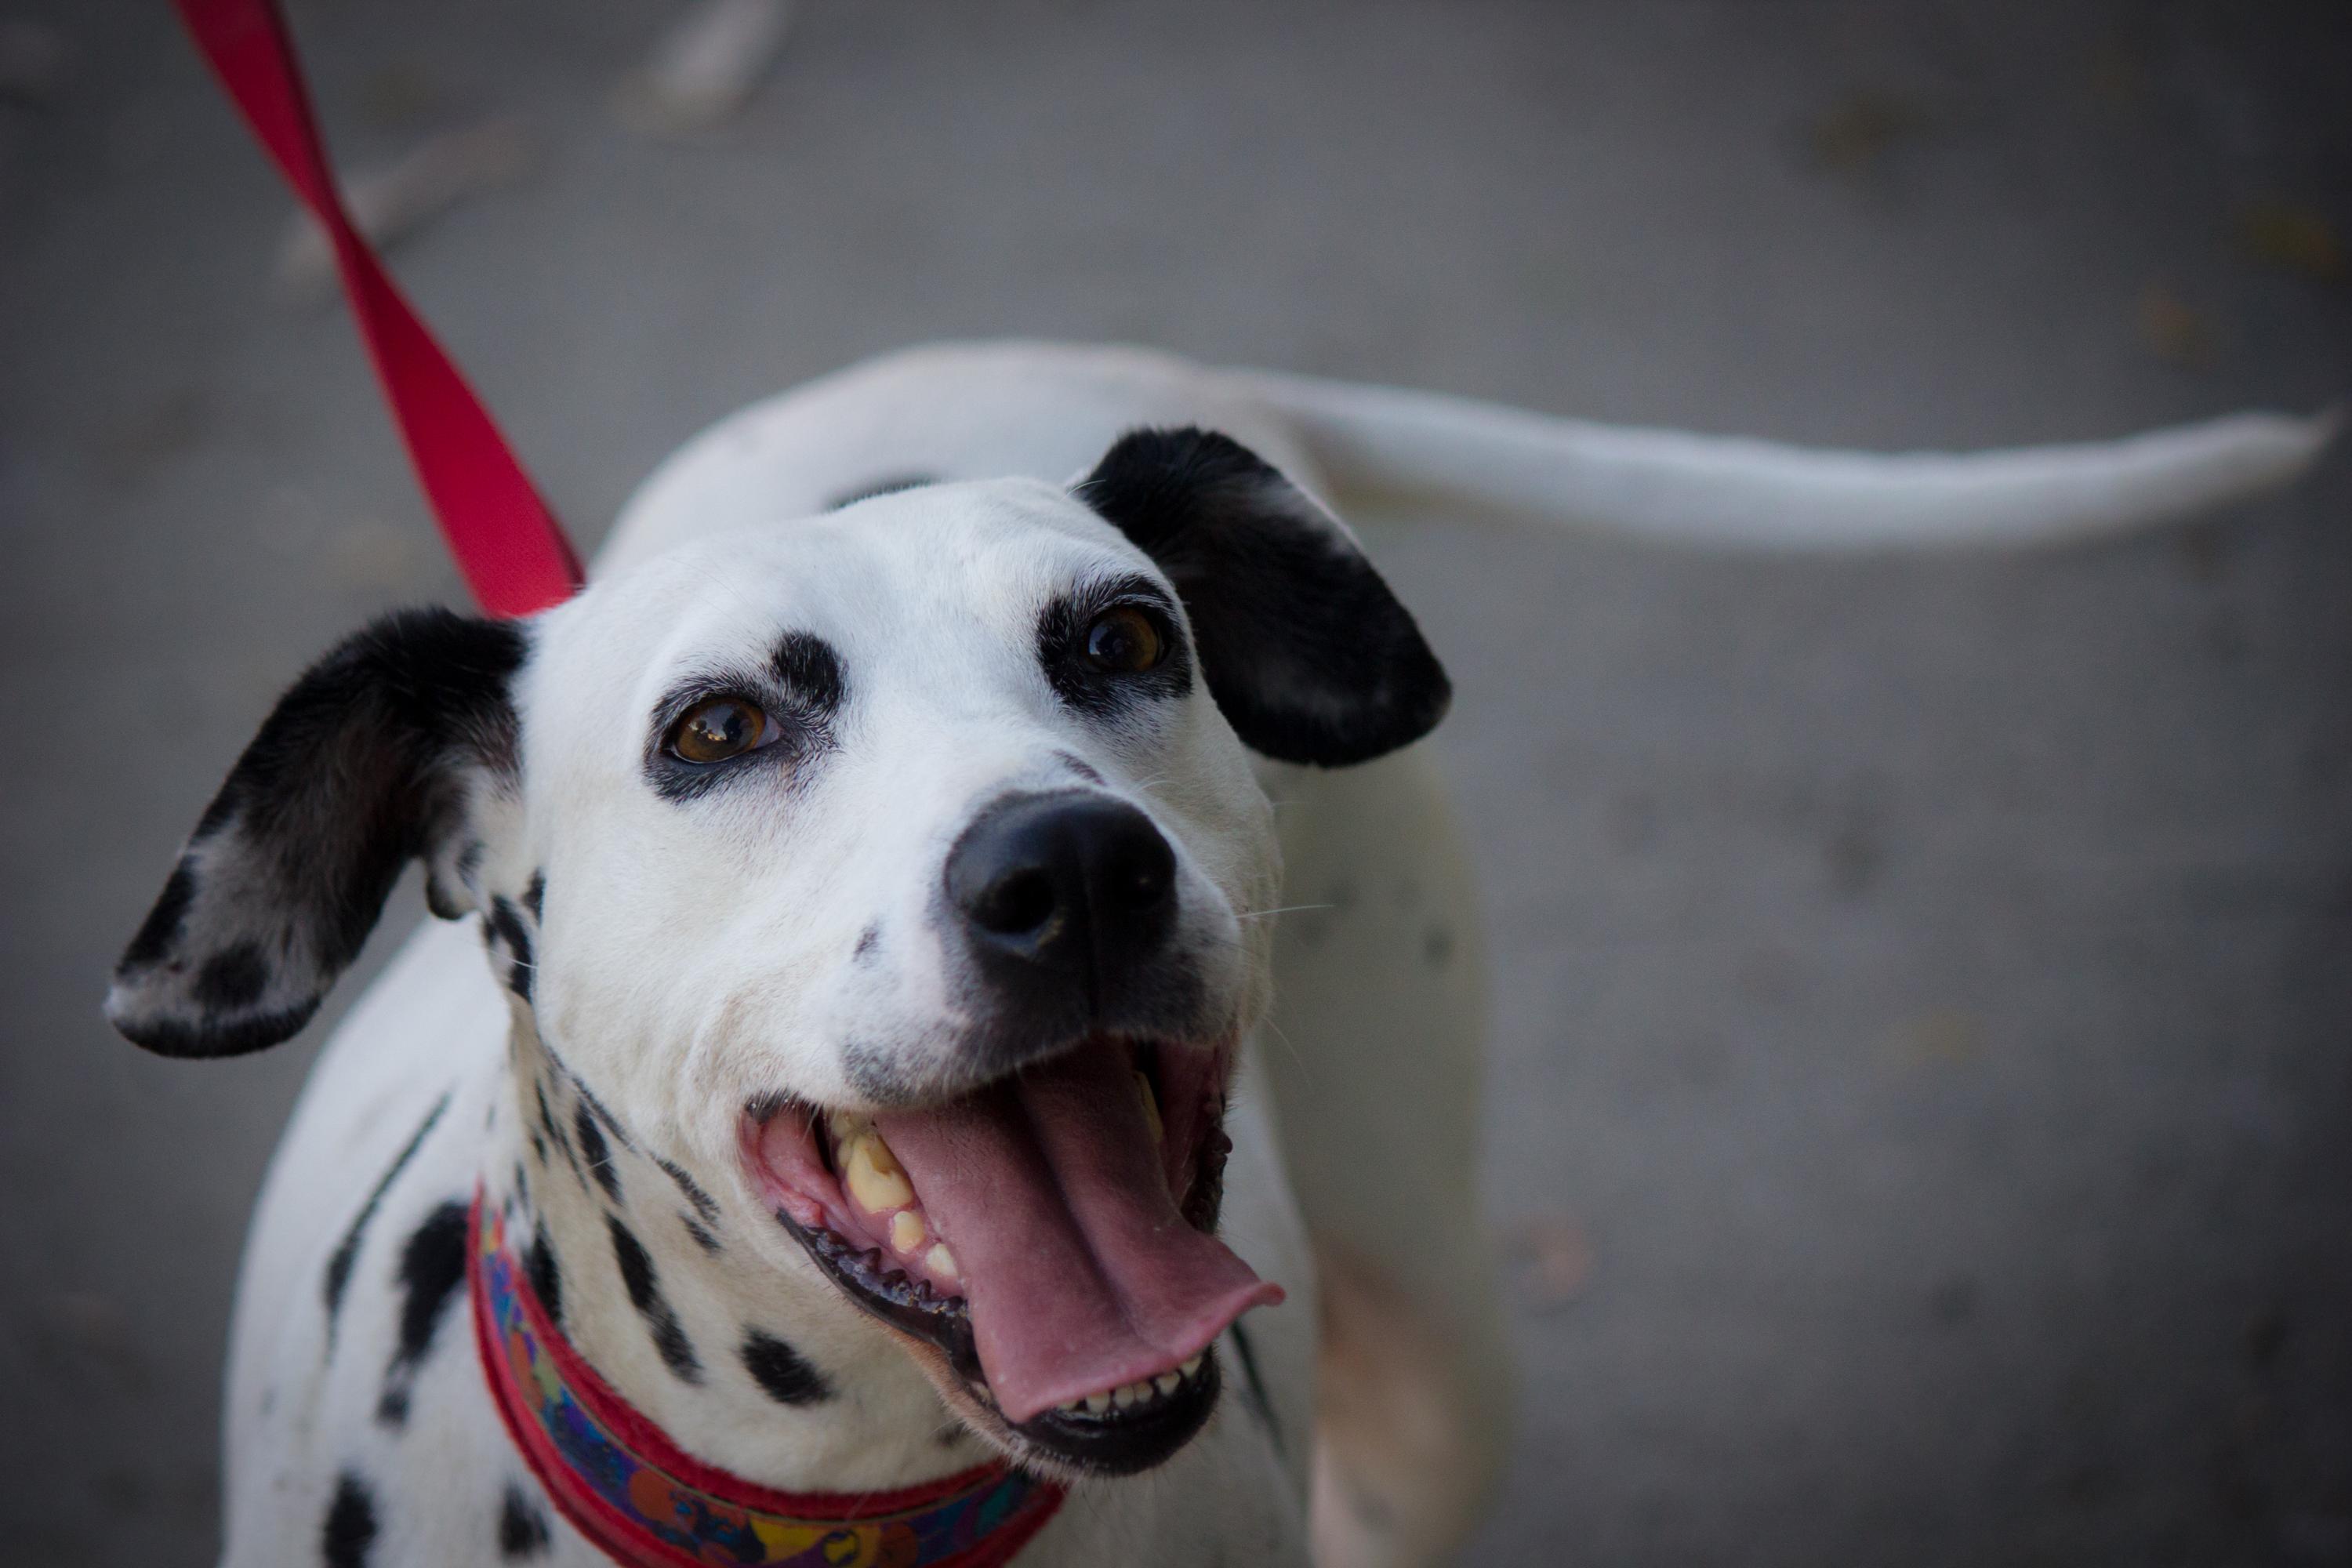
(1922, 1087)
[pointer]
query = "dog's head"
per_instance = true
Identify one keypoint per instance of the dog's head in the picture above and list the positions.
(898, 868)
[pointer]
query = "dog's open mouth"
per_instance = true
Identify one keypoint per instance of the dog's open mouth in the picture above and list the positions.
(1051, 1234)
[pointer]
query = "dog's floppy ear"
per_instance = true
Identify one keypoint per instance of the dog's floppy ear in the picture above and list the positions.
(1308, 655)
(383, 751)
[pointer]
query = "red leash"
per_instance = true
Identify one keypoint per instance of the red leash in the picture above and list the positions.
(509, 545)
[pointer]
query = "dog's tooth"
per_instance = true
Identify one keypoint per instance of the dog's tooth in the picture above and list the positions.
(1150, 1106)
(1189, 1367)
(874, 1177)
(940, 1261)
(1168, 1382)
(907, 1230)
(1097, 1403)
(1071, 1407)
(1123, 1396)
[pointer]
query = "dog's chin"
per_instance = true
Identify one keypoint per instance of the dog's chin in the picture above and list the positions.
(871, 1228)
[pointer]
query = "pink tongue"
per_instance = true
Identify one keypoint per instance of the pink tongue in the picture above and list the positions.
(1079, 1273)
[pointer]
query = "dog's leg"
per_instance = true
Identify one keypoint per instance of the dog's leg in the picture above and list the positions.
(1374, 1055)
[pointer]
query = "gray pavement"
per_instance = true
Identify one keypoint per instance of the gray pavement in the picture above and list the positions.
(1923, 1076)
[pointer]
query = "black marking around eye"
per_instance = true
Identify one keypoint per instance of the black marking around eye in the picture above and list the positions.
(783, 1371)
(593, 1149)
(801, 687)
(644, 1287)
(346, 1253)
(348, 1532)
(522, 1527)
(507, 920)
(872, 488)
(1062, 628)
(432, 1265)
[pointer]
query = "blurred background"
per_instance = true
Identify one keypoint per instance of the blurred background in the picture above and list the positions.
(1922, 1082)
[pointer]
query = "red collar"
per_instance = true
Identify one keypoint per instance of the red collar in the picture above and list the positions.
(629, 1490)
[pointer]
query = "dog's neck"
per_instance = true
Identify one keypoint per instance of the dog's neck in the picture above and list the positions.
(654, 1276)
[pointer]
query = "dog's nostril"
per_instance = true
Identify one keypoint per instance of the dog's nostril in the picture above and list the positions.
(1018, 903)
(1142, 872)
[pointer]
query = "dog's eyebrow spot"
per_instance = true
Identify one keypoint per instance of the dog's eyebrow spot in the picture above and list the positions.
(888, 487)
(522, 1528)
(432, 1265)
(644, 1294)
(809, 671)
(346, 1253)
(349, 1530)
(598, 1154)
(783, 1371)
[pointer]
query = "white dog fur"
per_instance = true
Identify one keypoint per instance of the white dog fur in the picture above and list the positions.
(688, 961)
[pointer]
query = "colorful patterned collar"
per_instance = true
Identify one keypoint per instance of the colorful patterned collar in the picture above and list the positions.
(630, 1490)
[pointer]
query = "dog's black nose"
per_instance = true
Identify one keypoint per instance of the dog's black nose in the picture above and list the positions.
(1069, 881)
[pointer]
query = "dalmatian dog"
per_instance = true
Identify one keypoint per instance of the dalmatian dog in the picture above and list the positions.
(902, 1054)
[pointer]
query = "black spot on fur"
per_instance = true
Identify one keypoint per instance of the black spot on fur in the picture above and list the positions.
(593, 1149)
(880, 487)
(232, 978)
(1078, 765)
(522, 1528)
(507, 920)
(1260, 1405)
(783, 1371)
(361, 767)
(644, 1294)
(538, 1147)
(604, 1114)
(432, 1267)
(1308, 654)
(349, 1532)
(702, 1238)
(159, 932)
(704, 1204)
(869, 942)
(346, 1253)
(534, 897)
(546, 1274)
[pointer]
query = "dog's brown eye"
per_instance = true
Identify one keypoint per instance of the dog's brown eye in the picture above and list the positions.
(1124, 640)
(717, 728)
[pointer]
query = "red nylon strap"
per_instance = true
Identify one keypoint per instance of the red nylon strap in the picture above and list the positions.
(509, 545)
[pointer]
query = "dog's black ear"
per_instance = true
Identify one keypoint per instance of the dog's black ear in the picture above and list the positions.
(1308, 655)
(386, 750)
